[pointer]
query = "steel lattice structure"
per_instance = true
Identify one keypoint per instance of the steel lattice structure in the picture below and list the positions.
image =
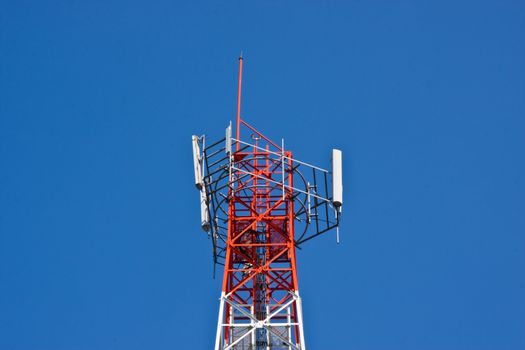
(258, 204)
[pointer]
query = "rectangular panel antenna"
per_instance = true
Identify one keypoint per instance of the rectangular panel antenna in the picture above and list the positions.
(337, 174)
(229, 139)
(197, 162)
(205, 217)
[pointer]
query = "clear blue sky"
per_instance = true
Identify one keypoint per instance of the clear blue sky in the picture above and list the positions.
(100, 246)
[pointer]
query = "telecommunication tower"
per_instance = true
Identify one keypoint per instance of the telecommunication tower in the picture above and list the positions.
(258, 204)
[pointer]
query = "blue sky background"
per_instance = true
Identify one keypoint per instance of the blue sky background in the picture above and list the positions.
(100, 245)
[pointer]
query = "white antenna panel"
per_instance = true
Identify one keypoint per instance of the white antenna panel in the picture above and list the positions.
(197, 162)
(337, 173)
(205, 218)
(229, 139)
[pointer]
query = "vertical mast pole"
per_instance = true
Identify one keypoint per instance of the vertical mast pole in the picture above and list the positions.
(238, 124)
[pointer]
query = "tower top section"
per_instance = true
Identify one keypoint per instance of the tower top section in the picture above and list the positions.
(317, 192)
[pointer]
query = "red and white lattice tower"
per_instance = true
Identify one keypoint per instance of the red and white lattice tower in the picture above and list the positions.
(258, 204)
